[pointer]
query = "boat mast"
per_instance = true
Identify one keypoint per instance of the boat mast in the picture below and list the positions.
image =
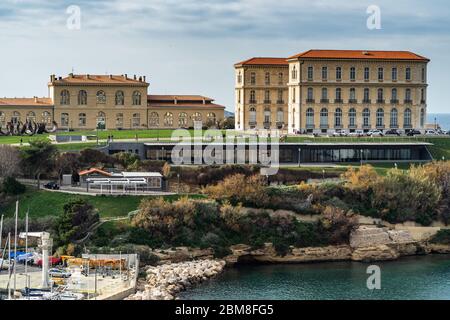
(26, 249)
(9, 265)
(15, 244)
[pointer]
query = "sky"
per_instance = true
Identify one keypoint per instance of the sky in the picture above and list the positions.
(190, 46)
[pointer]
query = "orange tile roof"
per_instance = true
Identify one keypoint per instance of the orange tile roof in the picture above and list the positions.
(263, 61)
(26, 102)
(178, 97)
(183, 105)
(359, 54)
(98, 79)
(94, 170)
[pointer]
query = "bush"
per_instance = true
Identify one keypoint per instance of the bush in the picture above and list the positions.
(441, 237)
(12, 187)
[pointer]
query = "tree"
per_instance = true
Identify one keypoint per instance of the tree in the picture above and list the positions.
(39, 158)
(9, 161)
(92, 158)
(128, 159)
(67, 163)
(227, 123)
(76, 220)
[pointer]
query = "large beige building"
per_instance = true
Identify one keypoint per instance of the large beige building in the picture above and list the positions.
(327, 90)
(109, 102)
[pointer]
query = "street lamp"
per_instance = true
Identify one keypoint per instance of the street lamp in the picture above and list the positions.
(323, 174)
(362, 154)
(178, 188)
(395, 165)
(299, 156)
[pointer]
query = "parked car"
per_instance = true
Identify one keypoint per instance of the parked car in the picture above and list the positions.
(431, 132)
(375, 133)
(413, 133)
(392, 132)
(51, 185)
(57, 273)
(340, 133)
(356, 133)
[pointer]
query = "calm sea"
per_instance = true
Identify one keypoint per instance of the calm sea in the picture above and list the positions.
(412, 278)
(443, 119)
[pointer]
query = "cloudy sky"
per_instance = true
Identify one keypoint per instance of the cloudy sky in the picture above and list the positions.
(190, 46)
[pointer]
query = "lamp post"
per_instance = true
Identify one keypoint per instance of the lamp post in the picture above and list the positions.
(395, 165)
(178, 187)
(299, 156)
(323, 174)
(362, 154)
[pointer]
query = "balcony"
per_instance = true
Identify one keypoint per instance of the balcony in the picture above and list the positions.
(310, 126)
(252, 101)
(407, 126)
(394, 126)
(267, 101)
(324, 100)
(367, 126)
(380, 101)
(324, 126)
(394, 101)
(310, 100)
(408, 101)
(267, 125)
(352, 126)
(252, 123)
(280, 101)
(367, 101)
(352, 101)
(338, 101)
(380, 126)
(280, 124)
(423, 102)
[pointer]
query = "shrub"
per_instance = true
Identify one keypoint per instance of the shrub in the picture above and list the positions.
(12, 187)
(442, 237)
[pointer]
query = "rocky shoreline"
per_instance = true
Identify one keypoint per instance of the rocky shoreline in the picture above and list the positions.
(182, 268)
(164, 282)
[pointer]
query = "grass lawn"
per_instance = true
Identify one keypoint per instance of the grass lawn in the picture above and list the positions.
(43, 203)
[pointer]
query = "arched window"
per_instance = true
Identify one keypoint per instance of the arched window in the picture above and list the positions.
(65, 97)
(280, 115)
(366, 95)
(352, 95)
(338, 117)
(394, 118)
(352, 117)
(324, 117)
(407, 118)
(46, 117)
(15, 117)
(120, 98)
(211, 116)
(394, 95)
(2, 118)
(366, 117)
(136, 120)
(252, 96)
(182, 120)
(101, 120)
(82, 98)
(422, 118)
(338, 94)
(267, 115)
(82, 119)
(153, 121)
(310, 95)
(31, 117)
(197, 116)
(252, 115)
(267, 78)
(380, 117)
(101, 97)
(380, 96)
(310, 117)
(168, 119)
(119, 120)
(64, 119)
(136, 98)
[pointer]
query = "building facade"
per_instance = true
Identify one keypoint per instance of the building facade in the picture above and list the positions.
(261, 94)
(108, 102)
(353, 90)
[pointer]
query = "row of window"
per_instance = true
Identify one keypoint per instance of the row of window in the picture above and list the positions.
(46, 117)
(353, 73)
(267, 115)
(366, 98)
(135, 120)
(267, 96)
(267, 78)
(101, 98)
(338, 116)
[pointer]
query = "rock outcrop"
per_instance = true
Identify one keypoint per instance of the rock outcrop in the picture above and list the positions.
(164, 282)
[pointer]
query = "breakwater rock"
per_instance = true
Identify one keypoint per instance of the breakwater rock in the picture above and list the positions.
(164, 282)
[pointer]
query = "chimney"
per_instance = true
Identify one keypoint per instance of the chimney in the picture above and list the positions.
(35, 99)
(126, 76)
(144, 78)
(140, 79)
(87, 76)
(52, 78)
(71, 75)
(134, 77)
(204, 100)
(110, 76)
(175, 100)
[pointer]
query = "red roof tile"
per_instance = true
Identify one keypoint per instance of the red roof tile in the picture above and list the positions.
(98, 79)
(26, 102)
(263, 61)
(359, 54)
(95, 170)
